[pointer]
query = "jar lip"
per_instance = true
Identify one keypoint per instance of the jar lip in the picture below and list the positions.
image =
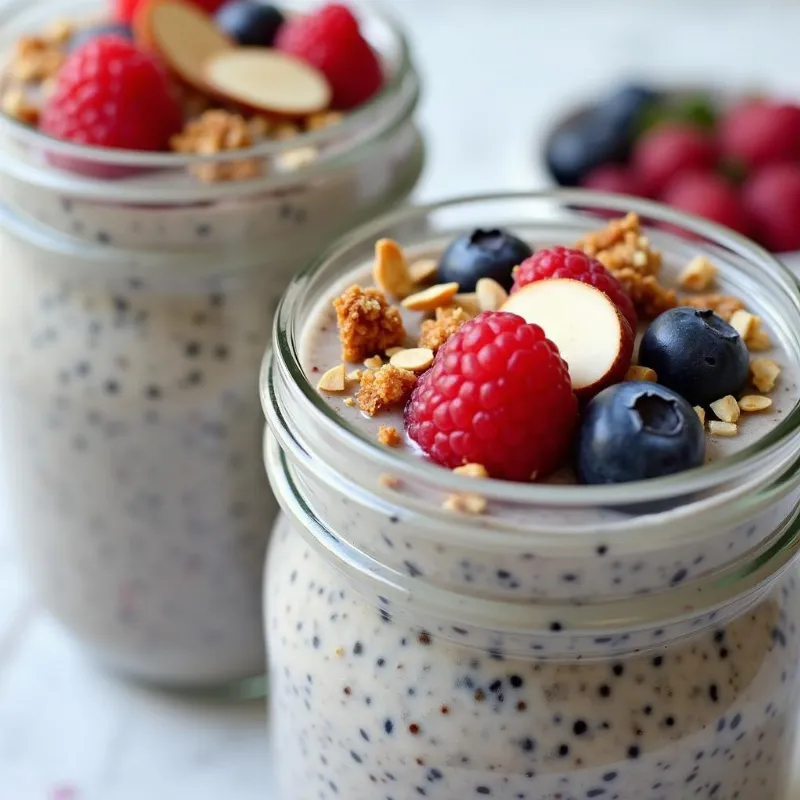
(400, 463)
(344, 130)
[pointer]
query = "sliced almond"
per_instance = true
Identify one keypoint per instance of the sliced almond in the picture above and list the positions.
(373, 362)
(468, 302)
(751, 403)
(266, 79)
(429, 299)
(472, 471)
(491, 295)
(744, 322)
(725, 429)
(355, 375)
(637, 373)
(390, 270)
(415, 359)
(701, 414)
(726, 408)
(764, 372)
(183, 35)
(423, 270)
(333, 380)
(698, 275)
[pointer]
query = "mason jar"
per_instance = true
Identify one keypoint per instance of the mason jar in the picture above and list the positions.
(628, 641)
(137, 303)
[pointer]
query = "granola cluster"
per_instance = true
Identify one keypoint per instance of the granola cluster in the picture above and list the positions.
(367, 323)
(384, 388)
(433, 333)
(627, 254)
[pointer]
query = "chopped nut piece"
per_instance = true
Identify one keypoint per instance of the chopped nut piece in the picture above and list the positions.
(36, 59)
(764, 372)
(751, 403)
(218, 131)
(468, 302)
(701, 414)
(355, 375)
(722, 305)
(298, 158)
(17, 106)
(423, 270)
(744, 322)
(649, 297)
(435, 332)
(698, 275)
(716, 428)
(59, 31)
(384, 388)
(367, 323)
(415, 359)
(333, 380)
(726, 408)
(284, 131)
(472, 471)
(466, 503)
(637, 373)
(323, 119)
(389, 435)
(759, 340)
(390, 270)
(389, 481)
(373, 362)
(491, 295)
(348, 401)
(432, 298)
(621, 245)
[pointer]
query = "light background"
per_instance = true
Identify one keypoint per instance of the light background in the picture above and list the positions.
(495, 74)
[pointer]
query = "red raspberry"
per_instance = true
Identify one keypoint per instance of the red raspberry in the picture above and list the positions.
(564, 262)
(126, 10)
(668, 150)
(616, 178)
(772, 197)
(330, 40)
(758, 133)
(711, 196)
(498, 394)
(110, 94)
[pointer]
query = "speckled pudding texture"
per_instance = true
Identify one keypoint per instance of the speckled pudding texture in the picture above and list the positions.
(378, 696)
(130, 340)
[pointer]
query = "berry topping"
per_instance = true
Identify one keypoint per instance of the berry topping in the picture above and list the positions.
(498, 394)
(84, 35)
(696, 353)
(668, 150)
(331, 41)
(757, 133)
(586, 143)
(491, 253)
(564, 262)
(249, 22)
(584, 323)
(126, 10)
(110, 94)
(616, 178)
(772, 196)
(711, 196)
(638, 430)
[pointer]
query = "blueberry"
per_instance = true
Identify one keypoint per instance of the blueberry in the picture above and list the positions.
(624, 107)
(695, 353)
(638, 430)
(84, 35)
(583, 144)
(249, 22)
(482, 254)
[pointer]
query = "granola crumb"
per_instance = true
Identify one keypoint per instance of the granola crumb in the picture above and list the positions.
(465, 503)
(384, 388)
(726, 409)
(725, 429)
(649, 297)
(367, 323)
(37, 58)
(218, 131)
(323, 119)
(472, 471)
(723, 305)
(389, 481)
(435, 332)
(389, 435)
(764, 372)
(698, 275)
(349, 402)
(759, 340)
(17, 105)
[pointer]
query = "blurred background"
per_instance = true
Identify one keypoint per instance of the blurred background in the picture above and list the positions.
(497, 75)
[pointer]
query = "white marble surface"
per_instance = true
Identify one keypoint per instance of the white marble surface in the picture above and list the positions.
(495, 72)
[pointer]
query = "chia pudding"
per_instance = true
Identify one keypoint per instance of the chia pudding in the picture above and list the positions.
(545, 640)
(135, 313)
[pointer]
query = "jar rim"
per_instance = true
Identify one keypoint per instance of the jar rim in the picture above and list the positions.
(400, 464)
(400, 84)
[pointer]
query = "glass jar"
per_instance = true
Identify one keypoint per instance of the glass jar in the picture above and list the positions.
(137, 303)
(630, 641)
